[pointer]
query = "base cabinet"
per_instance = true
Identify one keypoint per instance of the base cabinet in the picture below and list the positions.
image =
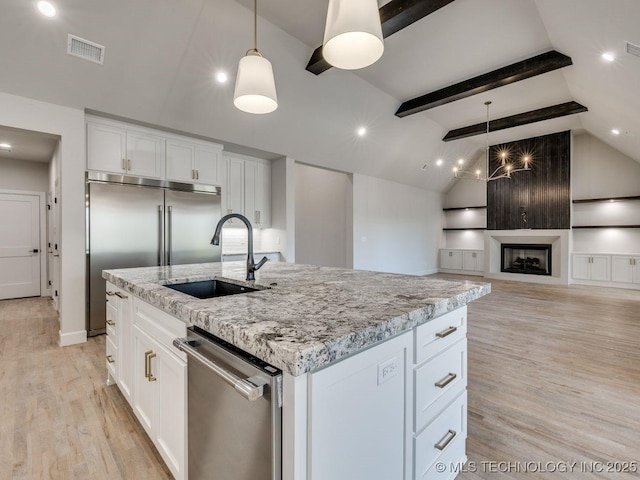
(625, 269)
(150, 372)
(592, 267)
(469, 262)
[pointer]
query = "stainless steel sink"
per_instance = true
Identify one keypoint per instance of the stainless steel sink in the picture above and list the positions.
(210, 288)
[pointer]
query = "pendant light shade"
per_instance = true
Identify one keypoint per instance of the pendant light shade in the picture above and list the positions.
(255, 90)
(352, 34)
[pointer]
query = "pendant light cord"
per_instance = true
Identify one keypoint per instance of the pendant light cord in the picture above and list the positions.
(255, 25)
(486, 153)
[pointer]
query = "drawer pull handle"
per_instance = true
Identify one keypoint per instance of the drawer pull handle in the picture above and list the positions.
(120, 295)
(111, 294)
(446, 332)
(446, 380)
(111, 323)
(110, 359)
(446, 440)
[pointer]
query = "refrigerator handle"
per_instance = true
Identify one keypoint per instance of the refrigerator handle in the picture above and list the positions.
(169, 235)
(161, 235)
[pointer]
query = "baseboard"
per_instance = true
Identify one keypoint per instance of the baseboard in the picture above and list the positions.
(72, 338)
(431, 271)
(591, 283)
(462, 272)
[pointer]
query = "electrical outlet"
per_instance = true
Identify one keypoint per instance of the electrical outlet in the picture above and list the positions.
(387, 370)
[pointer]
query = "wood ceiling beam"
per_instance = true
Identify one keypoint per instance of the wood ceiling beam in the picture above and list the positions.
(515, 72)
(547, 113)
(394, 16)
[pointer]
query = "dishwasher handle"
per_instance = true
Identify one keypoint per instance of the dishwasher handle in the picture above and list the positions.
(244, 386)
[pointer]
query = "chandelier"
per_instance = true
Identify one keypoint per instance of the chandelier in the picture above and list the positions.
(504, 169)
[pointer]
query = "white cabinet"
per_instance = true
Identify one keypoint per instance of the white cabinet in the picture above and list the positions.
(248, 190)
(194, 162)
(234, 194)
(591, 267)
(454, 260)
(357, 415)
(257, 193)
(625, 269)
(451, 259)
(473, 261)
(150, 373)
(118, 150)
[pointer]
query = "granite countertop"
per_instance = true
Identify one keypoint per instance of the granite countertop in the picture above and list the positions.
(306, 316)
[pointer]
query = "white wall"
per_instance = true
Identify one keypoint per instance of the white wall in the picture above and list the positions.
(396, 228)
(466, 192)
(21, 175)
(322, 218)
(68, 123)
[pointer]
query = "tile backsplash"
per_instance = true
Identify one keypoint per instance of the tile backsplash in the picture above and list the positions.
(234, 240)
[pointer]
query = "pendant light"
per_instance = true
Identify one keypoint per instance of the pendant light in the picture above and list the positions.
(255, 90)
(352, 34)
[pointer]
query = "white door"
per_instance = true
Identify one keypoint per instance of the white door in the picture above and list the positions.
(19, 246)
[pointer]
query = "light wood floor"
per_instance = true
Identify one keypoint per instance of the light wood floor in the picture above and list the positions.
(58, 419)
(554, 375)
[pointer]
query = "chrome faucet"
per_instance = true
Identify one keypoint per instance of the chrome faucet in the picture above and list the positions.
(251, 266)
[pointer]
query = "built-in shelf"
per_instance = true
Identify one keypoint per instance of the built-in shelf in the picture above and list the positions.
(605, 226)
(463, 208)
(608, 199)
(467, 228)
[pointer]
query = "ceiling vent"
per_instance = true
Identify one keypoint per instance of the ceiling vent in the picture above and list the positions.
(632, 49)
(79, 47)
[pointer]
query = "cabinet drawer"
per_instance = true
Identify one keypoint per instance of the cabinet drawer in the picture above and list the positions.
(440, 436)
(453, 460)
(439, 381)
(440, 333)
(160, 325)
(112, 356)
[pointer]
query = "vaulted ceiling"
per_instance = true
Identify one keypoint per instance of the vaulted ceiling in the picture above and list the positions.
(161, 57)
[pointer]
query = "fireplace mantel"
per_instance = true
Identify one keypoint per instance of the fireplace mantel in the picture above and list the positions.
(560, 241)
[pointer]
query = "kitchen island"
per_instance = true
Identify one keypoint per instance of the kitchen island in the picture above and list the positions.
(381, 333)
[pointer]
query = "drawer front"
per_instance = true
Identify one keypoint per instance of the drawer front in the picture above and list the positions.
(112, 317)
(440, 435)
(439, 381)
(449, 464)
(112, 357)
(159, 325)
(440, 333)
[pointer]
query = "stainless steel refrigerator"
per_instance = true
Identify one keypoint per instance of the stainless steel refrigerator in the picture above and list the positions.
(134, 222)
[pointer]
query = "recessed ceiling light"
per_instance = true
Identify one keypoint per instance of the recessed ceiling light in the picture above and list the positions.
(615, 131)
(439, 162)
(222, 77)
(362, 131)
(608, 57)
(461, 161)
(5, 146)
(46, 8)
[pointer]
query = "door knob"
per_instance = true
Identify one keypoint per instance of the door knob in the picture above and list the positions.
(35, 250)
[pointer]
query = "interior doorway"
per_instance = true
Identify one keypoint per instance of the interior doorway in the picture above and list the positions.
(20, 241)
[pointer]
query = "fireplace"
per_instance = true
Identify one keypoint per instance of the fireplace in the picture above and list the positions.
(528, 258)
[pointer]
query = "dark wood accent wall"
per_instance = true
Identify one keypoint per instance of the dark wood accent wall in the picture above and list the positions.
(542, 193)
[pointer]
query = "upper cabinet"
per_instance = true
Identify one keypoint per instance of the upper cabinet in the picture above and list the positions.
(194, 162)
(116, 147)
(248, 190)
(119, 150)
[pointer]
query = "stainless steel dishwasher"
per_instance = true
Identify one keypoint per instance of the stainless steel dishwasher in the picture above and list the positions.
(235, 411)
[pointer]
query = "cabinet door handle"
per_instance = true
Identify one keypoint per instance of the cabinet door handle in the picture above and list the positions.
(111, 323)
(111, 294)
(446, 440)
(110, 359)
(129, 165)
(197, 174)
(446, 332)
(124, 164)
(120, 295)
(146, 363)
(446, 380)
(149, 356)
